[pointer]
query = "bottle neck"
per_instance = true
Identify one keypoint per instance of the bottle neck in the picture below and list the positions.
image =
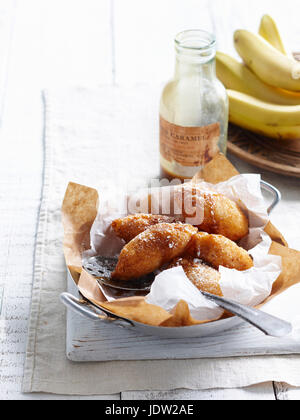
(195, 54)
(185, 67)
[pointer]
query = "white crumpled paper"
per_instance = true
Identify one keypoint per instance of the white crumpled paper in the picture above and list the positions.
(249, 287)
(171, 286)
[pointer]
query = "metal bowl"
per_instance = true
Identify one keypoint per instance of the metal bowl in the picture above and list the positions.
(97, 313)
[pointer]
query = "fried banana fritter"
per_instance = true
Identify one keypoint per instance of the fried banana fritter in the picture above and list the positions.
(152, 249)
(205, 278)
(215, 213)
(131, 226)
(217, 250)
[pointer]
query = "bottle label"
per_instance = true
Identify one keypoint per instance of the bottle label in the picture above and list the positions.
(189, 146)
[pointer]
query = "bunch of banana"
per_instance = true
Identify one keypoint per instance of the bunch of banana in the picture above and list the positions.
(264, 90)
(237, 76)
(268, 30)
(276, 121)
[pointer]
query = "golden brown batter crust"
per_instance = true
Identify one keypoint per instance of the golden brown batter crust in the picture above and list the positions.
(131, 226)
(218, 214)
(217, 250)
(205, 278)
(152, 249)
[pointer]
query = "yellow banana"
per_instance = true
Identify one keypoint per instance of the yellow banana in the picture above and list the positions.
(236, 76)
(269, 31)
(279, 132)
(271, 66)
(263, 112)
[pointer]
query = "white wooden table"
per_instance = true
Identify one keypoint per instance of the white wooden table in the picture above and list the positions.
(46, 43)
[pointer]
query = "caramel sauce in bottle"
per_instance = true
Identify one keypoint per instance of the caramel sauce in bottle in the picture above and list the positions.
(167, 175)
(193, 109)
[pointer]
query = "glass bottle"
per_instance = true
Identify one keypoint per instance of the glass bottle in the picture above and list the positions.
(193, 108)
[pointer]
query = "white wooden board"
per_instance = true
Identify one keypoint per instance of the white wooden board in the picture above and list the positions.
(258, 392)
(99, 341)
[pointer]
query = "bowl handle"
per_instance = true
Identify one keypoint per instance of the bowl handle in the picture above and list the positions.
(275, 193)
(84, 308)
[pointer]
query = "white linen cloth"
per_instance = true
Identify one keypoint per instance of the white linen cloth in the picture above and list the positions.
(96, 134)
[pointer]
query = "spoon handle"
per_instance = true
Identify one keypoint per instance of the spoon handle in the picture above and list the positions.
(268, 324)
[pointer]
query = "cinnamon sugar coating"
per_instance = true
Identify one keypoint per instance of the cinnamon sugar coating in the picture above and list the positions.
(215, 213)
(217, 250)
(205, 278)
(153, 248)
(131, 226)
